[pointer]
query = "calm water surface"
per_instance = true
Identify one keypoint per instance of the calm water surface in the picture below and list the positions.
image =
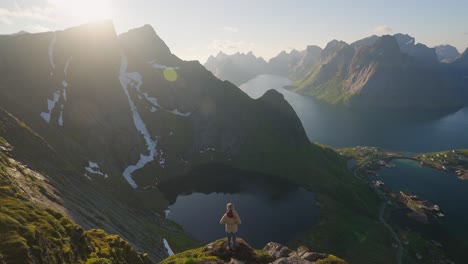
(337, 127)
(270, 210)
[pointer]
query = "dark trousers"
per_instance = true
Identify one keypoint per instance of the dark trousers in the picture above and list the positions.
(231, 236)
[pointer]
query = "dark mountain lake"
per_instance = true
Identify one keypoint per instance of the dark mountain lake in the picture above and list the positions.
(271, 210)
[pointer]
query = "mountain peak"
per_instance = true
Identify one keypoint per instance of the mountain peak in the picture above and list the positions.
(144, 42)
(462, 60)
(334, 45)
(387, 44)
(446, 53)
(273, 96)
(103, 26)
(97, 30)
(21, 32)
(313, 47)
(220, 55)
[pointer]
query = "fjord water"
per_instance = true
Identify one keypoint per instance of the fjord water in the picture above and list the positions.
(405, 131)
(439, 187)
(270, 210)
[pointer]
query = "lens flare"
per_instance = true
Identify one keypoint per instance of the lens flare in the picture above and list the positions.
(170, 74)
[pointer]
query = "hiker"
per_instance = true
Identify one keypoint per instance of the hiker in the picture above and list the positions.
(231, 219)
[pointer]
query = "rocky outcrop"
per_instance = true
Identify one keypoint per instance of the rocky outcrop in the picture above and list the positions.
(302, 255)
(275, 253)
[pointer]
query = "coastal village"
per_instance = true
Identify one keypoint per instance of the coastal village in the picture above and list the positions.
(455, 161)
(365, 162)
(368, 160)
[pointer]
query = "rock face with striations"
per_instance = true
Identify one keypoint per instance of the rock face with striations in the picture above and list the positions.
(240, 68)
(388, 72)
(381, 72)
(237, 68)
(446, 53)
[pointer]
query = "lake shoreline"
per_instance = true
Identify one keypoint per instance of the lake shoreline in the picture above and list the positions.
(419, 223)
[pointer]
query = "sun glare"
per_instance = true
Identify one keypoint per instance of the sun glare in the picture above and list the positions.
(87, 10)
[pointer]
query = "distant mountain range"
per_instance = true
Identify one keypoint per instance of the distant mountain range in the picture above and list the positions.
(240, 67)
(378, 72)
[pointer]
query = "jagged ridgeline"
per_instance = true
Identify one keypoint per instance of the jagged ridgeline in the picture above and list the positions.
(379, 72)
(104, 118)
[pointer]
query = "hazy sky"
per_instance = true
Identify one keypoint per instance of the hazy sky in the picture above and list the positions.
(195, 29)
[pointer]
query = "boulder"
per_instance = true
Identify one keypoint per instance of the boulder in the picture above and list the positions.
(291, 260)
(277, 250)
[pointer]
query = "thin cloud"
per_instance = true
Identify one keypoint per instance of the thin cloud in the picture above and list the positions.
(383, 30)
(230, 29)
(466, 33)
(42, 14)
(37, 28)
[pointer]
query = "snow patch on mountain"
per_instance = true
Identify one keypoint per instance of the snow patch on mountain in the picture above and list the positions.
(176, 112)
(51, 50)
(168, 248)
(93, 168)
(160, 66)
(50, 106)
(60, 120)
(128, 80)
(67, 63)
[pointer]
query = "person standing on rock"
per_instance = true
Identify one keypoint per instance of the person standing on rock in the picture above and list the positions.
(231, 220)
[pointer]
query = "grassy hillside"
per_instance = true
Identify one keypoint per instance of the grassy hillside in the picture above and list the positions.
(33, 233)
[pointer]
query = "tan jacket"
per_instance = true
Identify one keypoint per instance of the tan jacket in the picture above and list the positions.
(231, 223)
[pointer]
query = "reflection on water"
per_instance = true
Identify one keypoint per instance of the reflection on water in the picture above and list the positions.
(271, 210)
(404, 131)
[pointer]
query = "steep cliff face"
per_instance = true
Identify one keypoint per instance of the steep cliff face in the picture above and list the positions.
(240, 68)
(385, 72)
(284, 63)
(237, 68)
(446, 53)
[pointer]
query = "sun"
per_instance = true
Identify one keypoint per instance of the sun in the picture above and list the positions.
(86, 10)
